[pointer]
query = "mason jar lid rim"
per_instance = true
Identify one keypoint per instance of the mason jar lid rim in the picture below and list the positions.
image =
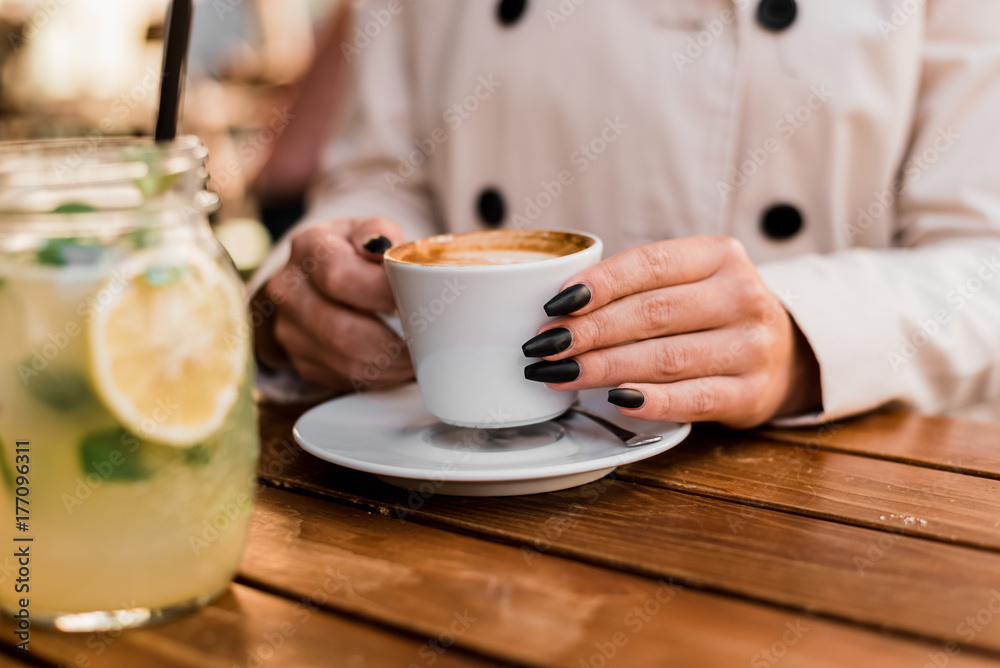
(55, 162)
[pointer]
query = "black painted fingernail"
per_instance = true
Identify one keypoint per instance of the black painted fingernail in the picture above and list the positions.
(626, 398)
(550, 342)
(573, 298)
(377, 245)
(562, 371)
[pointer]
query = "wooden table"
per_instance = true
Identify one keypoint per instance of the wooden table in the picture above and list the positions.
(872, 543)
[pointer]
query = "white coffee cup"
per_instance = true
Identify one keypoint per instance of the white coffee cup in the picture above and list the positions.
(465, 322)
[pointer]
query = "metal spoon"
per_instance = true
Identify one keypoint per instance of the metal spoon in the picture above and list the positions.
(629, 438)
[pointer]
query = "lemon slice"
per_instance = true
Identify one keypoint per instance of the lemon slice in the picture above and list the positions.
(166, 352)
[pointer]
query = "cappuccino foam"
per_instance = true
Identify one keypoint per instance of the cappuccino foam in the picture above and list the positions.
(476, 257)
(494, 248)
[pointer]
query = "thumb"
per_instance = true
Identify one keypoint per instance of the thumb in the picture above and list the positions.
(372, 237)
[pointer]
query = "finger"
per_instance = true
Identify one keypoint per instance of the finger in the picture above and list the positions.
(305, 353)
(664, 360)
(334, 267)
(656, 265)
(374, 236)
(730, 400)
(318, 363)
(679, 309)
(322, 375)
(335, 328)
(365, 341)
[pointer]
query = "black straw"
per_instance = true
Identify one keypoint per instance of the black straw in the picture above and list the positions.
(175, 46)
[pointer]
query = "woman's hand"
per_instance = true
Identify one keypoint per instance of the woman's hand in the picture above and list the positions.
(686, 330)
(323, 307)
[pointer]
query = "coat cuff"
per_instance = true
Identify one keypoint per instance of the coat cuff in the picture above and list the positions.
(840, 326)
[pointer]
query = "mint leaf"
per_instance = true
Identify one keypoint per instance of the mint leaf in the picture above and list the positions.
(5, 471)
(158, 277)
(69, 252)
(61, 389)
(107, 455)
(74, 207)
(197, 455)
(145, 237)
(155, 182)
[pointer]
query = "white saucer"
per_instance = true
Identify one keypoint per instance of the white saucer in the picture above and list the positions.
(391, 435)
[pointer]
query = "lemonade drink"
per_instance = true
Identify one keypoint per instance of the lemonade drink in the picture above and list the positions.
(128, 434)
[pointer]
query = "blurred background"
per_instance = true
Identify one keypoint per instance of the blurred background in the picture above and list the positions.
(81, 67)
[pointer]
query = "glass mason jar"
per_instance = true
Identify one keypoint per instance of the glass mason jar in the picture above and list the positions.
(128, 432)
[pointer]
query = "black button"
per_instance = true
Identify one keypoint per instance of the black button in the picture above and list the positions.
(509, 11)
(776, 15)
(781, 221)
(492, 209)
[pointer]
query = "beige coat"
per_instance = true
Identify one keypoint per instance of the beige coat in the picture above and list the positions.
(876, 122)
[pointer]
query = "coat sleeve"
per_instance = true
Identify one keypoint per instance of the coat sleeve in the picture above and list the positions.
(368, 166)
(918, 324)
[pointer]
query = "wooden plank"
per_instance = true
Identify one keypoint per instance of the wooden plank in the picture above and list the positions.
(854, 573)
(799, 477)
(944, 443)
(13, 661)
(534, 608)
(244, 627)
(868, 492)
